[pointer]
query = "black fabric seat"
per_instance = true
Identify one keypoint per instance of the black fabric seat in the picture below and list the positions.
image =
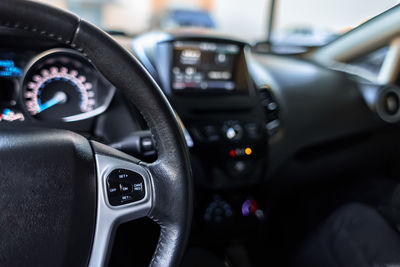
(355, 235)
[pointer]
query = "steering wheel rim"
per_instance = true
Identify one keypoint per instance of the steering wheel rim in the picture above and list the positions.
(170, 176)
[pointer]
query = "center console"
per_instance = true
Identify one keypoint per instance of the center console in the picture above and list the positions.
(207, 82)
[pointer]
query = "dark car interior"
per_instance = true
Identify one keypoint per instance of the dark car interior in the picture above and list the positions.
(244, 156)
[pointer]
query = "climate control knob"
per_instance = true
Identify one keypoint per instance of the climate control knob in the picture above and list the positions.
(233, 131)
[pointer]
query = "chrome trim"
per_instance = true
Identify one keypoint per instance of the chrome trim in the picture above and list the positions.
(109, 217)
(96, 111)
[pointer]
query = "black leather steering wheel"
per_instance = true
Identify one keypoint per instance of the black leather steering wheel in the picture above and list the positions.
(55, 209)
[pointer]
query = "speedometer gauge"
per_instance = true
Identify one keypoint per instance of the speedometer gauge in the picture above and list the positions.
(61, 85)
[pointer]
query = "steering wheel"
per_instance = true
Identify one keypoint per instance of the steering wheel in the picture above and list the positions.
(58, 204)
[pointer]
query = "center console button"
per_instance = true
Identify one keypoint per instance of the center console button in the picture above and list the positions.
(233, 131)
(211, 133)
(252, 130)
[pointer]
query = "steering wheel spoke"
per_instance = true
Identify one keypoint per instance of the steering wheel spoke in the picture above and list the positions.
(125, 193)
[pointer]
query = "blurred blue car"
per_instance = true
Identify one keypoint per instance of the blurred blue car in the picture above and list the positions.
(186, 18)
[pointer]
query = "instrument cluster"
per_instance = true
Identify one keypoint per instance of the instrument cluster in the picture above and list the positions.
(55, 85)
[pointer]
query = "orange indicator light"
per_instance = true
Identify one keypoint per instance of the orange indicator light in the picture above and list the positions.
(248, 151)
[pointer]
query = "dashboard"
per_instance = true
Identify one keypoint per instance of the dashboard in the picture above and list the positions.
(286, 110)
(262, 125)
(247, 116)
(236, 105)
(256, 124)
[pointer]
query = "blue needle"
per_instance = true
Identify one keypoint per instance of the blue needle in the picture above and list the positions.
(59, 97)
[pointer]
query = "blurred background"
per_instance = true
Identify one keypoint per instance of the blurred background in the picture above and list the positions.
(310, 22)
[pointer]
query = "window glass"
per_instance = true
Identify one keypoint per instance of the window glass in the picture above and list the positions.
(304, 22)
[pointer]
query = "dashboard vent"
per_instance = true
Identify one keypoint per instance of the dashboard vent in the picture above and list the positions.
(388, 104)
(271, 109)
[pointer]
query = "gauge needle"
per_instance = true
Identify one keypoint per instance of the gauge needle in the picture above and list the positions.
(58, 98)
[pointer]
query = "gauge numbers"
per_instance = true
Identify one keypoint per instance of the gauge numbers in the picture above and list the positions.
(58, 86)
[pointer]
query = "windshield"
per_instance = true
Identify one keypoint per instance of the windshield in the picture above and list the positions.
(300, 22)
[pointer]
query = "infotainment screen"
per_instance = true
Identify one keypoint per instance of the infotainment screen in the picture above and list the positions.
(204, 66)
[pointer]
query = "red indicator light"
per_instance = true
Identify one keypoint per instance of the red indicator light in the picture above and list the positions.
(232, 153)
(254, 206)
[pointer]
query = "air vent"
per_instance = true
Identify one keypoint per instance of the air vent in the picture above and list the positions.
(271, 109)
(388, 104)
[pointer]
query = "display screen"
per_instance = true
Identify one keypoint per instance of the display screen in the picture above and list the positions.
(204, 66)
(8, 68)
